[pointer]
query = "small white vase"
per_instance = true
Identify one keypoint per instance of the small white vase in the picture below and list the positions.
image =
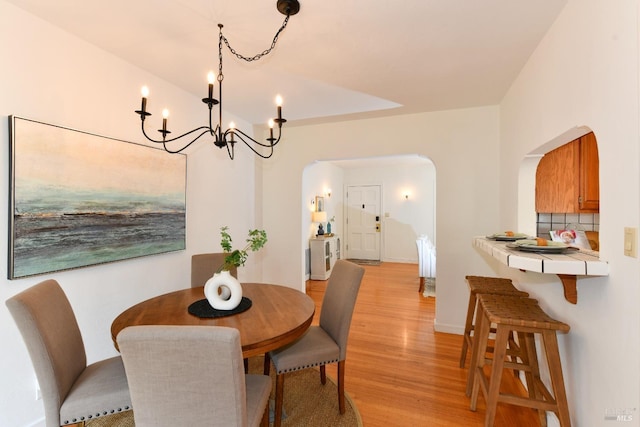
(223, 291)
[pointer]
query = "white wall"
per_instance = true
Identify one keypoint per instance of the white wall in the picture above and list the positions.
(407, 218)
(317, 179)
(463, 145)
(402, 220)
(585, 73)
(52, 77)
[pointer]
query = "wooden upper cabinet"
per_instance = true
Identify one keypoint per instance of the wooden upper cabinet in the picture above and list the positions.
(568, 178)
(589, 194)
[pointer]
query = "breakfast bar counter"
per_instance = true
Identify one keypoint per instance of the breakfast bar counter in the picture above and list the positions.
(567, 265)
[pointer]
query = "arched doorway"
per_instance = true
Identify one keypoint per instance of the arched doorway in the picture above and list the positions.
(407, 205)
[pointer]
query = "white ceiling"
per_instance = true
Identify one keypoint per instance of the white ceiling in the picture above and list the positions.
(335, 59)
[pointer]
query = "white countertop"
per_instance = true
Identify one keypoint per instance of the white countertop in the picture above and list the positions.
(567, 266)
(582, 262)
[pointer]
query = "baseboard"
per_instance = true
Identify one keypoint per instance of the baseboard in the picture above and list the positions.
(399, 260)
(448, 328)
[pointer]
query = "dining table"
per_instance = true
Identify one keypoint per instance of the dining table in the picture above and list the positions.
(277, 316)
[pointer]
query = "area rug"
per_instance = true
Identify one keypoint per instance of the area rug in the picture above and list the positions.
(307, 403)
(364, 261)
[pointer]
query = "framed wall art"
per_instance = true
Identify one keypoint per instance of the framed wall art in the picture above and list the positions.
(77, 199)
(319, 204)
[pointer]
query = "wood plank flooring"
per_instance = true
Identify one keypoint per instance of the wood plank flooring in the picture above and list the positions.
(399, 371)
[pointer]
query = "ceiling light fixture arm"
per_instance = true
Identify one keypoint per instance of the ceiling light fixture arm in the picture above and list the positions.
(226, 138)
(240, 135)
(205, 130)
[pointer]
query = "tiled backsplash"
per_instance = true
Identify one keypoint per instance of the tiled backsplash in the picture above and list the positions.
(562, 221)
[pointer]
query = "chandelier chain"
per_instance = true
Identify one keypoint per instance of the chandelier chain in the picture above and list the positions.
(259, 55)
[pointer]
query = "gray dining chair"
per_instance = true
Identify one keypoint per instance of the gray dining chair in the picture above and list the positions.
(325, 343)
(203, 266)
(72, 391)
(191, 376)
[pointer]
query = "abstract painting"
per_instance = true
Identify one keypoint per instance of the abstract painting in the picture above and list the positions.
(79, 199)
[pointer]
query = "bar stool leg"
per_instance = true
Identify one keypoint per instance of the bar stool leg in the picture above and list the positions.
(478, 350)
(478, 342)
(530, 358)
(468, 327)
(525, 359)
(500, 351)
(555, 371)
(514, 346)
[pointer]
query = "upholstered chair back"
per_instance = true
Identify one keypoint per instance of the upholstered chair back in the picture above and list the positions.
(325, 343)
(204, 265)
(188, 375)
(339, 301)
(52, 336)
(72, 392)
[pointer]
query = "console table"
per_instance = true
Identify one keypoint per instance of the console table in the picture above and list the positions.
(324, 252)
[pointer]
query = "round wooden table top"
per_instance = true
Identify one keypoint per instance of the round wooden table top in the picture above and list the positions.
(278, 315)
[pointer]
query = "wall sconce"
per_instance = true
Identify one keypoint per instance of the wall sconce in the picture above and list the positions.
(406, 194)
(327, 192)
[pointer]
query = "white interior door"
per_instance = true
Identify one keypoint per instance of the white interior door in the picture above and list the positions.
(363, 222)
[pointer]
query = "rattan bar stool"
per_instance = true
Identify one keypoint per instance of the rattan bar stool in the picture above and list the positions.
(524, 317)
(515, 349)
(483, 285)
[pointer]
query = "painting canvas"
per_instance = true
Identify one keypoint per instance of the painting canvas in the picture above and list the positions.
(79, 199)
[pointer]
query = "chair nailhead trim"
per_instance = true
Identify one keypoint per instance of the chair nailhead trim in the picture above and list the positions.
(97, 415)
(299, 368)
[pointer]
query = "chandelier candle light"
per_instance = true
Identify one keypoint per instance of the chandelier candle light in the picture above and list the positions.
(225, 138)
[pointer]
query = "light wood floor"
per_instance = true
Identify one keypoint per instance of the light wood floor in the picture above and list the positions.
(399, 372)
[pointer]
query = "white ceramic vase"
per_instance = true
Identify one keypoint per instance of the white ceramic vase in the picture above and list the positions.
(223, 291)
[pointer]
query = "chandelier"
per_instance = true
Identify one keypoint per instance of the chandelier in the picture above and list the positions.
(229, 137)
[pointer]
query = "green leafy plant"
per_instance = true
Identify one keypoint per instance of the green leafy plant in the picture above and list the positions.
(257, 239)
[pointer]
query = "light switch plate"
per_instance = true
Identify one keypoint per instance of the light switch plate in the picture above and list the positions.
(631, 242)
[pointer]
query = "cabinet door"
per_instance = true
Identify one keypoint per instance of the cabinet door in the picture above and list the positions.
(323, 257)
(589, 196)
(555, 178)
(567, 178)
(327, 255)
